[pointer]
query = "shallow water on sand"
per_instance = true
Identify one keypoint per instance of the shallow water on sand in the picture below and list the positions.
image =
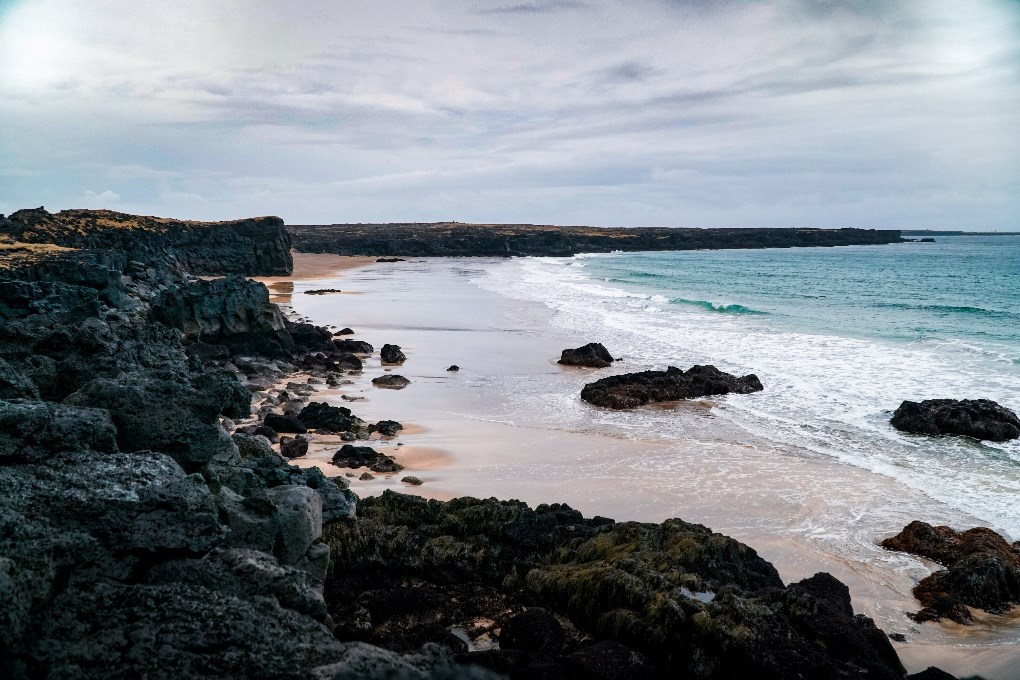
(510, 424)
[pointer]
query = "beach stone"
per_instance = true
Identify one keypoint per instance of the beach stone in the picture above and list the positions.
(592, 355)
(637, 389)
(413, 481)
(454, 368)
(364, 456)
(977, 418)
(391, 381)
(345, 331)
(391, 354)
(982, 570)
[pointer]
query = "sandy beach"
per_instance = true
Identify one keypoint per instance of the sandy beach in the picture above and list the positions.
(506, 425)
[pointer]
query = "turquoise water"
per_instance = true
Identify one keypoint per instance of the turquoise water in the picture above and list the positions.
(838, 336)
(963, 289)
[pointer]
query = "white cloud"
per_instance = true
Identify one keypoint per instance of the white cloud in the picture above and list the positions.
(648, 111)
(100, 200)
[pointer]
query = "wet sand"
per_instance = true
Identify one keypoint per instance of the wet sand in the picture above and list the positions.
(474, 432)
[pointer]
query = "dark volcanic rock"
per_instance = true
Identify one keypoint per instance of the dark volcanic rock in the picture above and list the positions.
(608, 660)
(32, 431)
(345, 331)
(391, 354)
(592, 355)
(391, 259)
(284, 423)
(636, 389)
(533, 630)
(364, 456)
(293, 447)
(323, 291)
(388, 428)
(454, 368)
(391, 381)
(977, 418)
(322, 416)
(355, 346)
(982, 570)
(621, 582)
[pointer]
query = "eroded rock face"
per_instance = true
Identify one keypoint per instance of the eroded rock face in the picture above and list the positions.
(637, 389)
(688, 601)
(592, 355)
(982, 570)
(30, 431)
(977, 418)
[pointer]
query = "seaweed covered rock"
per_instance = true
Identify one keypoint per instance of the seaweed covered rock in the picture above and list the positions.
(977, 418)
(637, 389)
(592, 355)
(686, 600)
(982, 570)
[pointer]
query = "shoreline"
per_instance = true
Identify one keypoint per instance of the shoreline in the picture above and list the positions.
(450, 473)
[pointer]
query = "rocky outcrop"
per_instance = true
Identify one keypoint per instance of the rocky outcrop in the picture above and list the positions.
(982, 570)
(254, 247)
(354, 346)
(592, 355)
(673, 599)
(637, 389)
(977, 418)
(504, 240)
(322, 416)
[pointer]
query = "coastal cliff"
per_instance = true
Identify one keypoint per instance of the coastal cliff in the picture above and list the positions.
(258, 246)
(504, 240)
(145, 532)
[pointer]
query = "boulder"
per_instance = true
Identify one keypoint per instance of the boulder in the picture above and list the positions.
(982, 570)
(33, 431)
(293, 447)
(354, 457)
(454, 368)
(637, 389)
(284, 423)
(977, 418)
(322, 416)
(345, 331)
(355, 346)
(391, 354)
(300, 512)
(388, 428)
(391, 381)
(592, 355)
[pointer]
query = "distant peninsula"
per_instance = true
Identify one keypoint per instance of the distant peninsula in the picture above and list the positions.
(506, 240)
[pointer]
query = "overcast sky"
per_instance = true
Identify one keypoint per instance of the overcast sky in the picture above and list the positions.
(871, 113)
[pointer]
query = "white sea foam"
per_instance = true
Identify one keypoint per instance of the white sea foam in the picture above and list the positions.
(824, 395)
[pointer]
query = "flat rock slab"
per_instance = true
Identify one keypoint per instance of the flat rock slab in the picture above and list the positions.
(977, 418)
(637, 389)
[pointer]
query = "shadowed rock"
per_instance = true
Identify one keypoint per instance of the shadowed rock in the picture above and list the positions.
(391, 354)
(977, 418)
(322, 416)
(391, 381)
(354, 457)
(637, 389)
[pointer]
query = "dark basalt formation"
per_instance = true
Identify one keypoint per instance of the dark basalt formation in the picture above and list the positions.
(502, 240)
(391, 354)
(387, 428)
(592, 355)
(977, 418)
(254, 247)
(670, 599)
(354, 457)
(454, 368)
(637, 389)
(354, 346)
(982, 570)
(391, 381)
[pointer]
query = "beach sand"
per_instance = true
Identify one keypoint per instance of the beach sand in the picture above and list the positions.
(476, 432)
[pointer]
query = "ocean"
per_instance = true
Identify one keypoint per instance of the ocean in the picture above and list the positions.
(838, 336)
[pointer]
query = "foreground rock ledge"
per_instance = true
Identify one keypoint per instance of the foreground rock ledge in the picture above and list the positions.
(637, 389)
(977, 418)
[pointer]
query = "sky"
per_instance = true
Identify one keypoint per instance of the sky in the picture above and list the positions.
(697, 113)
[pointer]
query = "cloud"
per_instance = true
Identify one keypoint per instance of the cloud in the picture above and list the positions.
(99, 200)
(644, 112)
